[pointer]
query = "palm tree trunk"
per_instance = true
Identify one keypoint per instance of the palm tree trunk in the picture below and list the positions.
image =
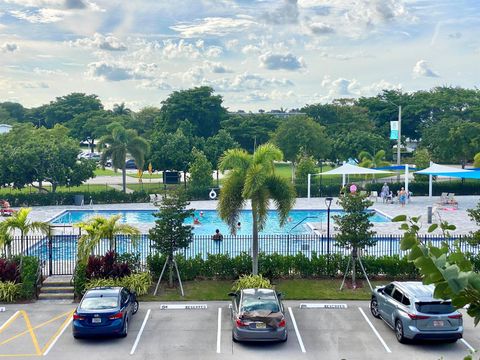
(21, 241)
(255, 245)
(124, 178)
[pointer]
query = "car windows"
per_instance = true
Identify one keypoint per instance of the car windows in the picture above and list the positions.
(124, 296)
(397, 295)
(435, 307)
(258, 305)
(388, 290)
(405, 300)
(99, 303)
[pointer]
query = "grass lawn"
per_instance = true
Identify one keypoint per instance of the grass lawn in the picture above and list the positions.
(63, 189)
(146, 175)
(299, 289)
(106, 172)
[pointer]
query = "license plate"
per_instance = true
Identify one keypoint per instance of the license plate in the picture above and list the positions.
(96, 320)
(438, 323)
(260, 325)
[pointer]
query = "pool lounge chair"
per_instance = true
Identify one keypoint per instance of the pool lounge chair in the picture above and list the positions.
(374, 195)
(452, 201)
(443, 198)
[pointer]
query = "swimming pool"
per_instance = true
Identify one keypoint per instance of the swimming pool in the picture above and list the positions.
(210, 221)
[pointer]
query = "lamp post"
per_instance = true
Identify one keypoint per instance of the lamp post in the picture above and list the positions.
(328, 203)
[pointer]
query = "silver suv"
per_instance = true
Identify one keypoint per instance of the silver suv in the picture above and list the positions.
(410, 309)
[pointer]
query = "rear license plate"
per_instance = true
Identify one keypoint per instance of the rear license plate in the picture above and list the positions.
(260, 325)
(96, 321)
(438, 323)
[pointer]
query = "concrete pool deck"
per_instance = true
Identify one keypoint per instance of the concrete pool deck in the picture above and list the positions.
(417, 207)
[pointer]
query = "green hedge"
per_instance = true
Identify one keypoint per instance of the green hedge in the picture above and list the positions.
(277, 266)
(67, 198)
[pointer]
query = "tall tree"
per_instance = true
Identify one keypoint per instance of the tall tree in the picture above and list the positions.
(171, 151)
(90, 126)
(200, 171)
(374, 160)
(118, 144)
(253, 177)
(198, 105)
(121, 109)
(170, 232)
(354, 227)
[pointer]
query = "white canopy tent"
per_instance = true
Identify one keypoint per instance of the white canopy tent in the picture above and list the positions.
(441, 170)
(344, 170)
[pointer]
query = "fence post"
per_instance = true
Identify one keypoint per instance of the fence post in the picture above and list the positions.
(50, 256)
(391, 241)
(288, 244)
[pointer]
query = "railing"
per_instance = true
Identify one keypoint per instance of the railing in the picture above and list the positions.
(58, 253)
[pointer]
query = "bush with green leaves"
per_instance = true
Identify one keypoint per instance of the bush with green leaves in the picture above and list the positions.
(80, 279)
(9, 291)
(251, 282)
(28, 276)
(139, 283)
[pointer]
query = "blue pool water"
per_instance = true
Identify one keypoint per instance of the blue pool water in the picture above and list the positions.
(210, 220)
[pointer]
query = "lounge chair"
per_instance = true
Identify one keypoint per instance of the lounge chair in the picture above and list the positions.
(443, 198)
(374, 195)
(451, 200)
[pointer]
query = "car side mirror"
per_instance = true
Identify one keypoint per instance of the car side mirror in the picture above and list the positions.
(232, 294)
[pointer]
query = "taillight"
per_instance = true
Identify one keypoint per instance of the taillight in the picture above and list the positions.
(418, 317)
(282, 323)
(456, 316)
(118, 315)
(77, 317)
(240, 323)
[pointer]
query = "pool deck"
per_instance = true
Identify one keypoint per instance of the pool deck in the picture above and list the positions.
(417, 207)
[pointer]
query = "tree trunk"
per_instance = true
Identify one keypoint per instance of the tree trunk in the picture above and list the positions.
(170, 272)
(40, 188)
(255, 245)
(354, 268)
(22, 241)
(92, 145)
(112, 244)
(124, 178)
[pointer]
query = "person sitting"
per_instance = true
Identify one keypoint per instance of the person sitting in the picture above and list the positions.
(196, 221)
(217, 236)
(6, 210)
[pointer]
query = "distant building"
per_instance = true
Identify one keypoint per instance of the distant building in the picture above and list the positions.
(5, 128)
(277, 113)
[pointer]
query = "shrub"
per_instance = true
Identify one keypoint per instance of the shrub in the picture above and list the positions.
(106, 266)
(251, 281)
(131, 259)
(155, 264)
(9, 270)
(28, 276)
(80, 279)
(9, 291)
(139, 283)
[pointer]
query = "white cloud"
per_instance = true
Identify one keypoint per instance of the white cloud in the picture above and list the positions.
(287, 13)
(248, 81)
(286, 61)
(321, 28)
(422, 68)
(251, 50)
(217, 67)
(180, 49)
(214, 26)
(49, 72)
(116, 72)
(41, 16)
(341, 87)
(9, 47)
(99, 41)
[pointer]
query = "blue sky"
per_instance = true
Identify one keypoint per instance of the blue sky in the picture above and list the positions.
(258, 54)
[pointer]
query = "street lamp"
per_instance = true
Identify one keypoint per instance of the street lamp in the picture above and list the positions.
(328, 203)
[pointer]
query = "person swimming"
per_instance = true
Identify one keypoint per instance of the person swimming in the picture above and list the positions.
(239, 225)
(196, 221)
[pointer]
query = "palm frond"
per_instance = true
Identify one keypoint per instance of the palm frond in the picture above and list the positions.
(283, 195)
(260, 202)
(266, 154)
(231, 201)
(254, 180)
(235, 159)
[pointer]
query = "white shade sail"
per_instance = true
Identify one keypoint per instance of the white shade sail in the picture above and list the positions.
(348, 169)
(441, 170)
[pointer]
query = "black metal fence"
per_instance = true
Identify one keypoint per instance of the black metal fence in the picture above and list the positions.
(58, 253)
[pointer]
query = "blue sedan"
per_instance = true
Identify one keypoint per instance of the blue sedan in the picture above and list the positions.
(104, 311)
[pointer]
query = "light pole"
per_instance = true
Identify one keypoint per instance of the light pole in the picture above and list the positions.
(328, 203)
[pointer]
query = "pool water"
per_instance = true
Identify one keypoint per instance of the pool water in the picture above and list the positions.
(210, 220)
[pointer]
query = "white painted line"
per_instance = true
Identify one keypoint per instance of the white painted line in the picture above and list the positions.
(323, 306)
(375, 331)
(58, 337)
(9, 319)
(139, 335)
(470, 347)
(2, 309)
(219, 330)
(183, 306)
(299, 338)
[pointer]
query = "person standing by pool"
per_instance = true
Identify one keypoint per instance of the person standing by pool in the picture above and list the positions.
(217, 236)
(385, 192)
(402, 197)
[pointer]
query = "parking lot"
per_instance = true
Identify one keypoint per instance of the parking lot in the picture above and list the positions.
(44, 329)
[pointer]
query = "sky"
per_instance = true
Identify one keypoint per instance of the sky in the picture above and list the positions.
(257, 54)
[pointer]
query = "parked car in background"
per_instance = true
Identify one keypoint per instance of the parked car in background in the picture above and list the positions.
(130, 164)
(410, 309)
(104, 311)
(258, 315)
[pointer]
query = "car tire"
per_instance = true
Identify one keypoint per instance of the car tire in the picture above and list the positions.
(374, 308)
(124, 332)
(234, 339)
(399, 332)
(135, 307)
(77, 337)
(450, 341)
(284, 340)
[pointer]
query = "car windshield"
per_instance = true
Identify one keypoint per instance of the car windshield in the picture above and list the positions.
(99, 303)
(435, 308)
(259, 300)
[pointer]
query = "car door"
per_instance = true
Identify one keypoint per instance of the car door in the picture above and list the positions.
(125, 303)
(391, 305)
(382, 299)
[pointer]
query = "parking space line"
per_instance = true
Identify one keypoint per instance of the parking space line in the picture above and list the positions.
(299, 337)
(32, 333)
(219, 329)
(470, 347)
(375, 331)
(10, 319)
(139, 335)
(49, 345)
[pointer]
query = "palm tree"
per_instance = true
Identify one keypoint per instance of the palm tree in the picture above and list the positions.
(121, 109)
(372, 161)
(118, 144)
(253, 177)
(19, 221)
(6, 240)
(98, 228)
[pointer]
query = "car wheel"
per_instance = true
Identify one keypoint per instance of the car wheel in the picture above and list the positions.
(234, 339)
(374, 308)
(399, 332)
(124, 332)
(284, 340)
(135, 307)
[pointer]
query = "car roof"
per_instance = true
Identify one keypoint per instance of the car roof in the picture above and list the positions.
(103, 291)
(416, 289)
(259, 293)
